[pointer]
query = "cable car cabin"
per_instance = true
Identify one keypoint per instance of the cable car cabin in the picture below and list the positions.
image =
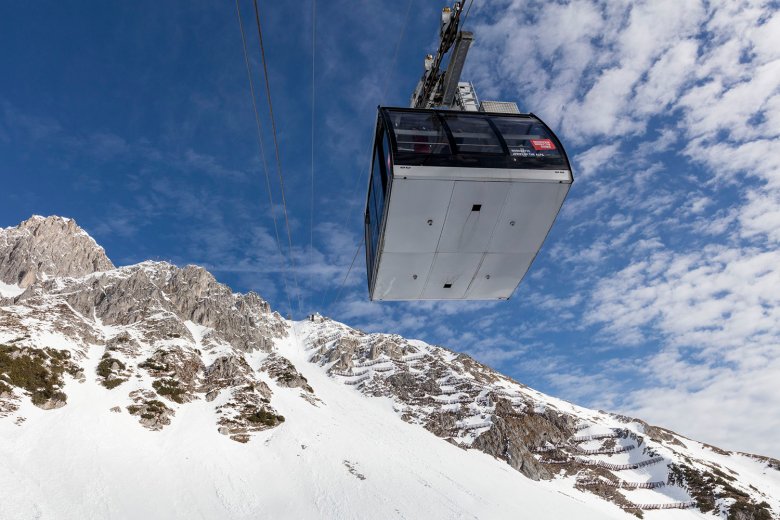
(459, 203)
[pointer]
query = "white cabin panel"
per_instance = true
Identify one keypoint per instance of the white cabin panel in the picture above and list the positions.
(528, 215)
(413, 204)
(499, 275)
(472, 215)
(459, 173)
(451, 275)
(402, 276)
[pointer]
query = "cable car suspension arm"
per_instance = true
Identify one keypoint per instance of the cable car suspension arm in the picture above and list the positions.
(436, 87)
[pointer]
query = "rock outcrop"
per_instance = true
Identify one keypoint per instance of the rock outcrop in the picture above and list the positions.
(513, 436)
(165, 336)
(472, 406)
(285, 373)
(48, 247)
(161, 298)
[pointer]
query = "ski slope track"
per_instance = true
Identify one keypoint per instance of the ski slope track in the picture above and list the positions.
(153, 391)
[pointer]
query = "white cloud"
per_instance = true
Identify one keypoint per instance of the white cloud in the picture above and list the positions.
(717, 316)
(720, 295)
(672, 228)
(665, 78)
(734, 409)
(761, 215)
(588, 162)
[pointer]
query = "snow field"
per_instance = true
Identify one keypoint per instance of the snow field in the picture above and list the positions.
(83, 461)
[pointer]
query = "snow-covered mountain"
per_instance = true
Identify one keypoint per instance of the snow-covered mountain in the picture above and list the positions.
(153, 391)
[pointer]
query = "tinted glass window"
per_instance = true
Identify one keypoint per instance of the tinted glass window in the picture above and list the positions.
(372, 230)
(379, 183)
(388, 166)
(419, 133)
(527, 139)
(376, 202)
(473, 134)
(370, 243)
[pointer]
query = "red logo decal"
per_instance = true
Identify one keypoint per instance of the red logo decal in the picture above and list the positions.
(542, 144)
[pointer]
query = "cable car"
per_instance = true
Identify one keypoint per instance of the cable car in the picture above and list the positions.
(459, 203)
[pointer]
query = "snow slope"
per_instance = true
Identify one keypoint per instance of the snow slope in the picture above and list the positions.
(9, 291)
(348, 457)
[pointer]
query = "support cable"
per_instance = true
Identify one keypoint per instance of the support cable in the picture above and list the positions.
(467, 13)
(386, 84)
(262, 155)
(344, 281)
(362, 171)
(311, 201)
(276, 150)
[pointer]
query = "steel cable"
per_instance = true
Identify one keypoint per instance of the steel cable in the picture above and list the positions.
(262, 154)
(360, 178)
(311, 201)
(276, 150)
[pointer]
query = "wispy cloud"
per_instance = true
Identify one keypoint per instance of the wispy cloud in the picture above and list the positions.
(673, 233)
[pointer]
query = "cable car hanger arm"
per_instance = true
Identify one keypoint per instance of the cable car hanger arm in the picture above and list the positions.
(437, 88)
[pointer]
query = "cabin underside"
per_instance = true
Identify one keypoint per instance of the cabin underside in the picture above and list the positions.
(460, 239)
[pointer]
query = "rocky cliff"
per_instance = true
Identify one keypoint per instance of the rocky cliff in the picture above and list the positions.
(48, 247)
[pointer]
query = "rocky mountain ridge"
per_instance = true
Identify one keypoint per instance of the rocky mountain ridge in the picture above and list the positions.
(167, 337)
(625, 460)
(40, 247)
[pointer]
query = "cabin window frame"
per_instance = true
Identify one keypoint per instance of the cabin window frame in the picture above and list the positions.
(455, 158)
(460, 148)
(379, 182)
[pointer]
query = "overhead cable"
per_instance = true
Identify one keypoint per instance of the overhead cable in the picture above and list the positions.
(262, 155)
(467, 13)
(311, 201)
(276, 150)
(362, 171)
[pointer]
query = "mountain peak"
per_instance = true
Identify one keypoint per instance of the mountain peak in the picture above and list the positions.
(42, 247)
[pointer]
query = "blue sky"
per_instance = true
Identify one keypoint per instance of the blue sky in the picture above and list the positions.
(657, 292)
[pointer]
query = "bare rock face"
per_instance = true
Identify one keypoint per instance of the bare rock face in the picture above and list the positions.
(227, 372)
(514, 433)
(246, 400)
(159, 297)
(390, 346)
(152, 413)
(53, 256)
(20, 322)
(284, 373)
(442, 424)
(451, 395)
(408, 386)
(176, 373)
(48, 247)
(344, 351)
